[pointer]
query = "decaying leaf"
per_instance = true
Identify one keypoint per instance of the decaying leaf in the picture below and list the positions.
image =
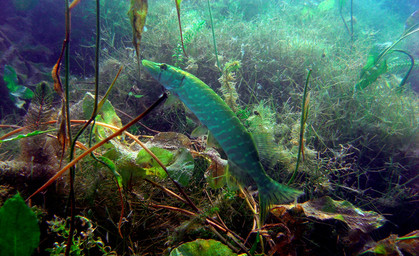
(137, 15)
(215, 175)
(169, 140)
(394, 245)
(326, 208)
(181, 170)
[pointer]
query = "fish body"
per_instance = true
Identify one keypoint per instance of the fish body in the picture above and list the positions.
(227, 129)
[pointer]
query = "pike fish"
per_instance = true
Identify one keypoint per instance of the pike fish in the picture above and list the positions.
(222, 122)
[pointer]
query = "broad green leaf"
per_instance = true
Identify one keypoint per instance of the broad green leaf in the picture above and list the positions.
(10, 78)
(27, 93)
(132, 165)
(202, 247)
(371, 75)
(151, 167)
(128, 168)
(374, 67)
(182, 169)
(16, 92)
(20, 233)
(106, 114)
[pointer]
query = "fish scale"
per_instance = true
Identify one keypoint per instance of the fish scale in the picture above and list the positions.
(220, 120)
(226, 128)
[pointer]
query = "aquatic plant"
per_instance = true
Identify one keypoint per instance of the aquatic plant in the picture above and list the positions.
(213, 35)
(86, 242)
(20, 231)
(177, 56)
(262, 125)
(40, 150)
(304, 115)
(177, 2)
(377, 64)
(17, 93)
(228, 84)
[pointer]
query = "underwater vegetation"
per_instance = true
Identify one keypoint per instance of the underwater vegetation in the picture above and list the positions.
(209, 127)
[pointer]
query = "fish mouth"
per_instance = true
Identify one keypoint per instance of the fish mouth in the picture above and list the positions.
(149, 64)
(152, 67)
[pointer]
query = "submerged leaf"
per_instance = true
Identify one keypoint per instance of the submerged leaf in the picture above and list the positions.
(374, 67)
(202, 247)
(16, 92)
(169, 140)
(106, 115)
(394, 245)
(10, 78)
(20, 233)
(182, 169)
(150, 165)
(216, 173)
(326, 208)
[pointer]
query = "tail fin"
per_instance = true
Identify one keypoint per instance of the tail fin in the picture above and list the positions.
(273, 192)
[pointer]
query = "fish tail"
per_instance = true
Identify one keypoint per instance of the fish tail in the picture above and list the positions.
(272, 192)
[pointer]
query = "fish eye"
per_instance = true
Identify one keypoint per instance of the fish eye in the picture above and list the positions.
(163, 67)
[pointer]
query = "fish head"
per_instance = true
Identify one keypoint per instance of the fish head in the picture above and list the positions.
(169, 76)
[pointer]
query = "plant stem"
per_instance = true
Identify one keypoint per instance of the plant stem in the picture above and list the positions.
(213, 37)
(302, 123)
(352, 24)
(67, 110)
(412, 64)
